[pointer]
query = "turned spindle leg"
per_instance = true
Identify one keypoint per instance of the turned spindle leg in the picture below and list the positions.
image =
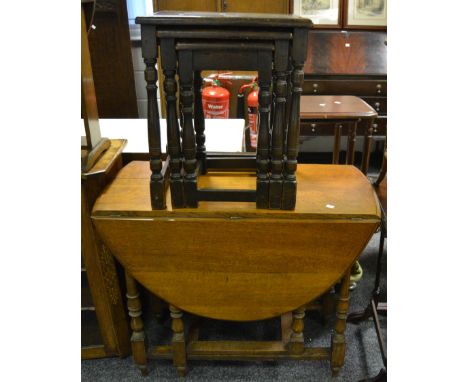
(263, 140)
(199, 122)
(296, 344)
(298, 56)
(367, 147)
(188, 134)
(136, 323)
(338, 347)
(290, 185)
(350, 151)
(149, 51)
(178, 341)
(337, 143)
(173, 132)
(278, 130)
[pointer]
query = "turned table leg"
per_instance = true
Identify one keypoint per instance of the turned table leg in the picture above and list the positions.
(157, 182)
(350, 151)
(263, 140)
(338, 347)
(296, 344)
(298, 56)
(199, 120)
(178, 341)
(367, 147)
(169, 66)
(188, 133)
(337, 143)
(136, 323)
(278, 131)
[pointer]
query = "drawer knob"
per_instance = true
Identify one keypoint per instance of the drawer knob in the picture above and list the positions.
(377, 106)
(374, 126)
(379, 88)
(313, 125)
(315, 86)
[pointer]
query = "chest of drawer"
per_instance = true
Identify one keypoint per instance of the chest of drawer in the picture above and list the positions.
(350, 87)
(379, 126)
(325, 128)
(378, 103)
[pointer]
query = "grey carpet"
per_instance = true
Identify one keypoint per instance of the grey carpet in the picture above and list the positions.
(362, 357)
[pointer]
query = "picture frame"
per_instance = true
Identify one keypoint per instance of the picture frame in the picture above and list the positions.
(365, 14)
(323, 13)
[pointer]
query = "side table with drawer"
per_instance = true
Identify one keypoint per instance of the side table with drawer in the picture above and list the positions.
(347, 116)
(349, 63)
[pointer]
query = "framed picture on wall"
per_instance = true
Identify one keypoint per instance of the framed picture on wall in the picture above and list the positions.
(365, 14)
(323, 13)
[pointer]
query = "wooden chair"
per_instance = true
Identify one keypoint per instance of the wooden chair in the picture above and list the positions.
(375, 306)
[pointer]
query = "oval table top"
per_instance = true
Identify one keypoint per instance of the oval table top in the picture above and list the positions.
(233, 261)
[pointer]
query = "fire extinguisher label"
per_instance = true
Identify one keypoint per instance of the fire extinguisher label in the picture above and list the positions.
(253, 126)
(216, 109)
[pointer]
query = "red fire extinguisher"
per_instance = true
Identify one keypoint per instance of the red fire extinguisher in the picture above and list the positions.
(215, 99)
(252, 105)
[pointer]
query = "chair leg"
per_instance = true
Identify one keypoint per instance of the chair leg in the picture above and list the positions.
(338, 347)
(178, 341)
(136, 323)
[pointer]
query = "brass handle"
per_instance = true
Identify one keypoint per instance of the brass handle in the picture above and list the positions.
(224, 5)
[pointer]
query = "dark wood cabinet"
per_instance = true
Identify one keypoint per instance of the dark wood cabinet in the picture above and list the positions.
(249, 6)
(257, 6)
(352, 53)
(186, 5)
(109, 45)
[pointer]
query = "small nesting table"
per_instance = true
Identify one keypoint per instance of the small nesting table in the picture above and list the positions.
(346, 112)
(189, 42)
